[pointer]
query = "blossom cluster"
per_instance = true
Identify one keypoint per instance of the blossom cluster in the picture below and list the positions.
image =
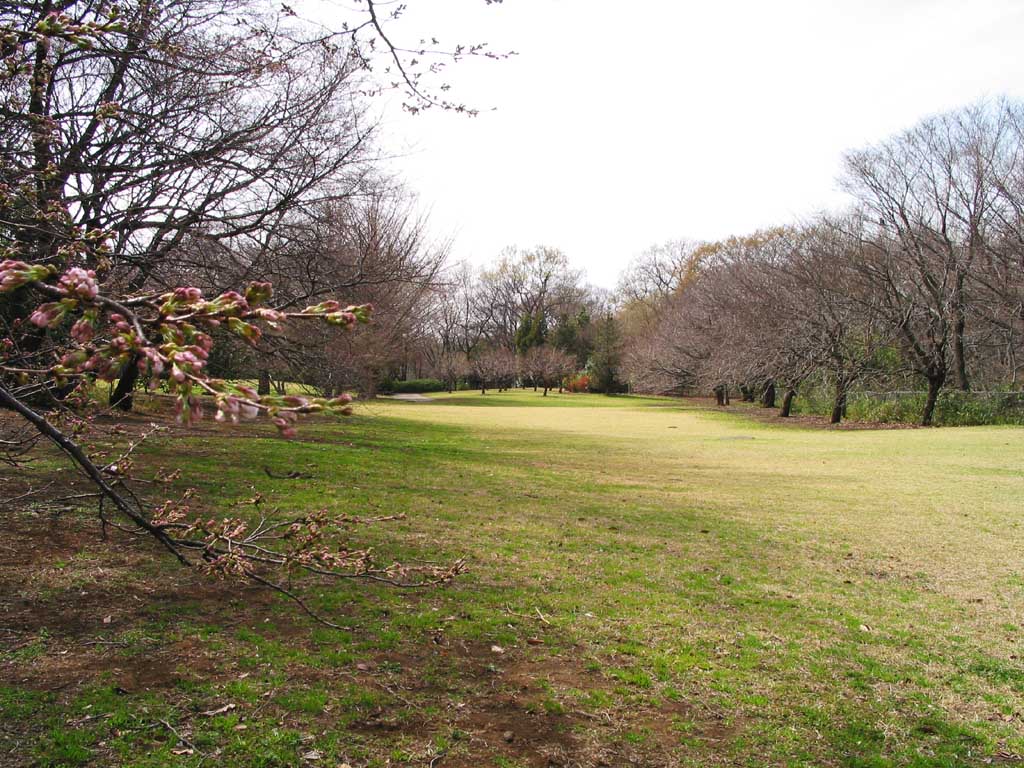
(14, 274)
(167, 337)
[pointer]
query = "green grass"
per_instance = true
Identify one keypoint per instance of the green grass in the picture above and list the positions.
(668, 585)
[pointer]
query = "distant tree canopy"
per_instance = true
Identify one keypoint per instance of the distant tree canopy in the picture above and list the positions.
(518, 320)
(919, 284)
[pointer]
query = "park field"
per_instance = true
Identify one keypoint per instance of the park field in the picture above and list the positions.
(650, 583)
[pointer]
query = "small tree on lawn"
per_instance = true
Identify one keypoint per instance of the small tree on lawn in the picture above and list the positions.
(489, 366)
(548, 366)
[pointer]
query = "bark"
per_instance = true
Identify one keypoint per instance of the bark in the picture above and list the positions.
(960, 355)
(121, 398)
(958, 344)
(719, 395)
(787, 403)
(263, 388)
(935, 382)
(768, 396)
(839, 404)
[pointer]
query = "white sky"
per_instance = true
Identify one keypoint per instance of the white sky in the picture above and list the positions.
(623, 124)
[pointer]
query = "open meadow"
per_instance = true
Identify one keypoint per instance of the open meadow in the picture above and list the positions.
(651, 583)
(338, 430)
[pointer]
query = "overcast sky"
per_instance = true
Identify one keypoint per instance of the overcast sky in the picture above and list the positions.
(623, 124)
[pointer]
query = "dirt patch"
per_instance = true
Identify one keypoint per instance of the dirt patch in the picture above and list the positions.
(69, 593)
(77, 611)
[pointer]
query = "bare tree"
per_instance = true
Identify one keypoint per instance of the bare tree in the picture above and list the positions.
(548, 366)
(492, 367)
(933, 199)
(137, 142)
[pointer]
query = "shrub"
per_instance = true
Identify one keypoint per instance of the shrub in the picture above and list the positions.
(415, 386)
(953, 408)
(577, 383)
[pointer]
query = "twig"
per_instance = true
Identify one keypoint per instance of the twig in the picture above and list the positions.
(292, 596)
(391, 691)
(73, 450)
(90, 718)
(30, 492)
(180, 738)
(510, 612)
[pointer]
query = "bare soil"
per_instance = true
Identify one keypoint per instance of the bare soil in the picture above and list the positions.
(497, 702)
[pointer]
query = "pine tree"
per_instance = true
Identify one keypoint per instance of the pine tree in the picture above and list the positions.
(603, 367)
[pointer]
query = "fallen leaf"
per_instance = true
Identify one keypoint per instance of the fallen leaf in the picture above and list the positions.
(497, 649)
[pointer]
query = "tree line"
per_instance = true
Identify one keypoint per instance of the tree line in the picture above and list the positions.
(919, 285)
(529, 317)
(916, 287)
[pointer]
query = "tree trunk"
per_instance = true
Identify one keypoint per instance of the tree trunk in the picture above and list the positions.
(958, 344)
(263, 387)
(960, 355)
(483, 390)
(719, 395)
(768, 396)
(545, 391)
(787, 403)
(935, 382)
(839, 404)
(727, 396)
(121, 397)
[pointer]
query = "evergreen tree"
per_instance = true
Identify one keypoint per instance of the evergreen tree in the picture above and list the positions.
(605, 360)
(531, 332)
(571, 335)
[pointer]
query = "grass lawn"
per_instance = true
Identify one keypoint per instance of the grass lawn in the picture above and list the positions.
(651, 584)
